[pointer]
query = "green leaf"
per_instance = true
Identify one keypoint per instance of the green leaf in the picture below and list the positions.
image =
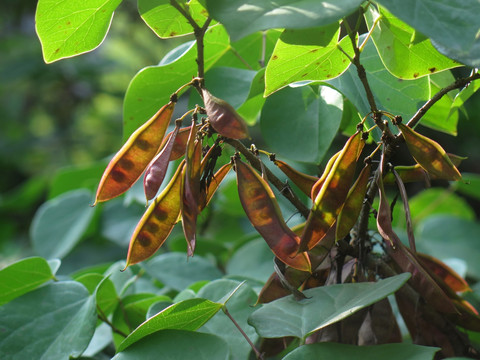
(434, 201)
(53, 322)
(177, 344)
(250, 109)
(166, 21)
(243, 17)
(68, 29)
(75, 177)
(309, 54)
(453, 25)
(59, 223)
(349, 352)
(104, 290)
(403, 53)
(323, 306)
(23, 276)
(185, 315)
(447, 237)
(313, 115)
(240, 306)
(254, 260)
(178, 272)
(151, 88)
(470, 185)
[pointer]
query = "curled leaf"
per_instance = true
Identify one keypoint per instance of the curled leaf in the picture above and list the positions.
(429, 154)
(156, 170)
(332, 195)
(303, 181)
(131, 160)
(157, 222)
(262, 210)
(223, 117)
(353, 204)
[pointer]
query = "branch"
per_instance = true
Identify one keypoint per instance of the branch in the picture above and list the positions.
(458, 84)
(252, 159)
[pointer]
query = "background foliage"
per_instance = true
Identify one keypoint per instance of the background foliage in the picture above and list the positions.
(61, 123)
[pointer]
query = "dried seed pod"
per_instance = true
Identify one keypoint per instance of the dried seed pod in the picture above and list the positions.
(131, 160)
(332, 195)
(206, 196)
(303, 181)
(191, 189)
(263, 211)
(353, 204)
(157, 222)
(429, 154)
(180, 143)
(406, 260)
(156, 170)
(223, 117)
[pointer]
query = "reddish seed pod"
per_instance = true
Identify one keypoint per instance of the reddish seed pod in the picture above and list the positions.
(223, 117)
(156, 170)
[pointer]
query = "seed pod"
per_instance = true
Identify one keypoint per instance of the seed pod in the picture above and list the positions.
(303, 181)
(353, 204)
(406, 260)
(131, 160)
(180, 143)
(157, 222)
(263, 211)
(318, 185)
(206, 196)
(191, 189)
(429, 154)
(332, 195)
(223, 117)
(156, 170)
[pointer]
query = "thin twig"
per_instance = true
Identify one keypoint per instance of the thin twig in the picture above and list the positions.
(104, 318)
(255, 162)
(258, 354)
(458, 84)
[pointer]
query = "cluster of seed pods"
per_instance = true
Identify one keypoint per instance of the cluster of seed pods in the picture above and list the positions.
(336, 198)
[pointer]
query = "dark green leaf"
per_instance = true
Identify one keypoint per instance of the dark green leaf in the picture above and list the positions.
(450, 237)
(470, 185)
(185, 315)
(242, 17)
(60, 223)
(349, 352)
(23, 276)
(53, 322)
(175, 271)
(240, 306)
(453, 25)
(323, 306)
(68, 29)
(104, 290)
(312, 115)
(175, 345)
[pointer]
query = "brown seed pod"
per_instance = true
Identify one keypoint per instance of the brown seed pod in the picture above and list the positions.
(223, 117)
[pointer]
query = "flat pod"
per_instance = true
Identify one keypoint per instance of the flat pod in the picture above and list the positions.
(180, 143)
(223, 117)
(303, 181)
(318, 185)
(131, 160)
(429, 154)
(353, 204)
(191, 190)
(157, 169)
(332, 195)
(263, 211)
(157, 222)
(207, 195)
